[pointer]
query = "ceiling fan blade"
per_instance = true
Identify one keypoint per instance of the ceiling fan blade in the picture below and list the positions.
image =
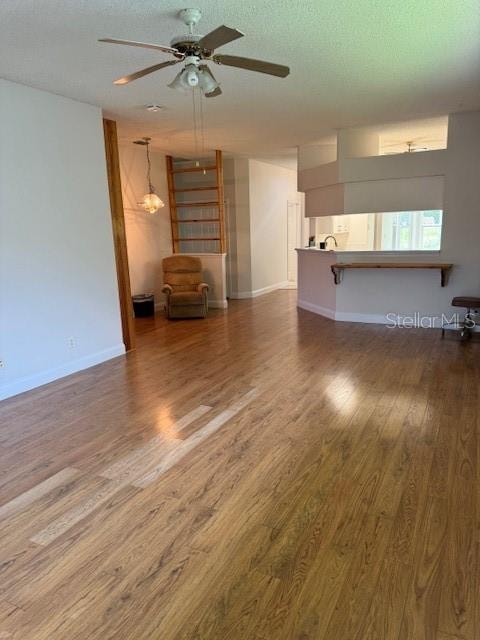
(144, 45)
(218, 37)
(144, 72)
(253, 65)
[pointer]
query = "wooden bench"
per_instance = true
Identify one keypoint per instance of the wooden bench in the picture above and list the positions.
(338, 269)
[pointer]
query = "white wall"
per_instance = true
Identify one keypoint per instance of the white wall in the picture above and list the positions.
(357, 143)
(369, 295)
(57, 269)
(271, 187)
(257, 194)
(461, 230)
(149, 237)
(313, 155)
(237, 196)
(384, 291)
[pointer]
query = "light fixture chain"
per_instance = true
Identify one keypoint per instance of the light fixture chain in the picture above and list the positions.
(202, 123)
(149, 170)
(195, 121)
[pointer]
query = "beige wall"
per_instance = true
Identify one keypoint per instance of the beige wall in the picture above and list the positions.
(148, 235)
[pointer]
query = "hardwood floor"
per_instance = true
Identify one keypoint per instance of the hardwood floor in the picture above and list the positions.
(262, 474)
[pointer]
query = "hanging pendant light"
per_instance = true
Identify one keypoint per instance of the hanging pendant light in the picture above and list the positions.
(150, 201)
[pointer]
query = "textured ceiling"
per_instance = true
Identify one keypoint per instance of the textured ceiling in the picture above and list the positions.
(353, 62)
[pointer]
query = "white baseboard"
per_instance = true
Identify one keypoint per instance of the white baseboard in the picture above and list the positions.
(43, 377)
(417, 321)
(369, 318)
(241, 295)
(315, 308)
(218, 304)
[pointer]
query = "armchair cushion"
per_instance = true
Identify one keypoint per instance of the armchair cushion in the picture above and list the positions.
(184, 281)
(182, 264)
(182, 298)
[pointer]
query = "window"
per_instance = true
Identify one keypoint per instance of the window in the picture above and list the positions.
(389, 231)
(411, 230)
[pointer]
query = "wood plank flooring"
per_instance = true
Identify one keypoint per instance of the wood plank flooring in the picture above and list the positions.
(264, 474)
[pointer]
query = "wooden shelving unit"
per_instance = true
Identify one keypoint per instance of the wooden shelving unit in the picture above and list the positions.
(218, 204)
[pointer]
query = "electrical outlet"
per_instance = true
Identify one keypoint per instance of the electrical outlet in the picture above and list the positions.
(72, 342)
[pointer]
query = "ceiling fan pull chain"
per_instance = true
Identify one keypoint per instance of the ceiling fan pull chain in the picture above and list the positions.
(195, 122)
(202, 125)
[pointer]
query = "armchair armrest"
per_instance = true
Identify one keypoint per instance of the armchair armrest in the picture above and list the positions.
(167, 289)
(202, 287)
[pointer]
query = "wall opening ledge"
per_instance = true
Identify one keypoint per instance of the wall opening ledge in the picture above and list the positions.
(339, 267)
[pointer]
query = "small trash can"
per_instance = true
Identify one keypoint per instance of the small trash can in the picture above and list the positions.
(143, 305)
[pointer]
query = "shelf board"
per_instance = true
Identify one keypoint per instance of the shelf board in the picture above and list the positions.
(177, 220)
(212, 167)
(339, 267)
(214, 188)
(186, 205)
(194, 239)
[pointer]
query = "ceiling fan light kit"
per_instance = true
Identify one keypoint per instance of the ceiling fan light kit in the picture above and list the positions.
(194, 50)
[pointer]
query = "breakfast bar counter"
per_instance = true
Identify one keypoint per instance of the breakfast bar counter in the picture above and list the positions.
(379, 286)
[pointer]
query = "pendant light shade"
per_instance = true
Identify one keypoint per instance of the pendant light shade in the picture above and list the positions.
(187, 78)
(207, 82)
(150, 201)
(192, 76)
(177, 83)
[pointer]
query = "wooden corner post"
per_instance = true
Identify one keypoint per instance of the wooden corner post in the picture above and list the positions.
(173, 204)
(119, 236)
(221, 199)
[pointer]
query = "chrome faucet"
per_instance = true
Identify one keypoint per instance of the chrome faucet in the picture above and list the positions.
(328, 238)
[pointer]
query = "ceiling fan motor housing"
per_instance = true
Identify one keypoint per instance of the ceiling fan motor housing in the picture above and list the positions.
(187, 45)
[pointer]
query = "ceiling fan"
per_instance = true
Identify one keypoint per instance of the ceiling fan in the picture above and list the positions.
(194, 50)
(412, 147)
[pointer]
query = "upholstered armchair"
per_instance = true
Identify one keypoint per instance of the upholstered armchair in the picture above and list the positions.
(185, 293)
